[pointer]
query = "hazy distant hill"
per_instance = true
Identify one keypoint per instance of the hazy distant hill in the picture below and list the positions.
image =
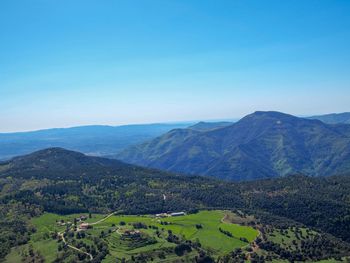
(260, 145)
(334, 118)
(206, 126)
(93, 140)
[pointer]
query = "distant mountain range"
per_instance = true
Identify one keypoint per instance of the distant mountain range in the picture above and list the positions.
(207, 126)
(334, 118)
(92, 140)
(260, 145)
(109, 141)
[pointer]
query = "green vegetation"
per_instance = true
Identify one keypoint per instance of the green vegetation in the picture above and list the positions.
(185, 226)
(153, 237)
(260, 145)
(64, 182)
(139, 238)
(285, 237)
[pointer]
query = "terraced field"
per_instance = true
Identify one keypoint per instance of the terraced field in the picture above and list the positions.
(209, 235)
(205, 227)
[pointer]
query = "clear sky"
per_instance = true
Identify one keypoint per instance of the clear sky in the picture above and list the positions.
(75, 62)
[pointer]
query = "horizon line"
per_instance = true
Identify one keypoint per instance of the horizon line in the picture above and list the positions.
(235, 119)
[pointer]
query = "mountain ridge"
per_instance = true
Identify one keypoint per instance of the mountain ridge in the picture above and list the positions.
(98, 140)
(205, 126)
(260, 145)
(333, 118)
(58, 162)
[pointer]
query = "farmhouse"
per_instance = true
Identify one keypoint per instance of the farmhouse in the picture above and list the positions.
(178, 214)
(81, 218)
(84, 226)
(162, 215)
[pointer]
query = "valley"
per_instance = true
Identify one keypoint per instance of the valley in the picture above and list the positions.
(97, 140)
(175, 131)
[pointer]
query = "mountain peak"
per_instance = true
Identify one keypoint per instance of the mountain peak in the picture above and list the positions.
(262, 120)
(53, 154)
(55, 150)
(262, 144)
(271, 114)
(58, 161)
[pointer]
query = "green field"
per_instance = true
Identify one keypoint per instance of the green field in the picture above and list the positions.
(186, 227)
(153, 240)
(288, 237)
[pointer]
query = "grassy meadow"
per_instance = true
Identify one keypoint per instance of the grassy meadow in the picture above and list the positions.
(154, 237)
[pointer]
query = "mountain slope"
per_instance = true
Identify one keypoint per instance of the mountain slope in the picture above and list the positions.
(263, 144)
(58, 163)
(207, 126)
(65, 182)
(93, 140)
(333, 118)
(100, 185)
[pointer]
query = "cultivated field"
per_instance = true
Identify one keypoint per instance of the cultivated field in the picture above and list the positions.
(204, 227)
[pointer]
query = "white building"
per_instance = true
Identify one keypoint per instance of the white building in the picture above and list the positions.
(178, 214)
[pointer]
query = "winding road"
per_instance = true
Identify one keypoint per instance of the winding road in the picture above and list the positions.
(73, 247)
(61, 235)
(103, 219)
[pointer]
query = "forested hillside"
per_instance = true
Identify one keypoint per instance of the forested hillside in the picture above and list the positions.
(260, 145)
(65, 182)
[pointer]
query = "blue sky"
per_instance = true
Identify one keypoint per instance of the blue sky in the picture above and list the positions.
(71, 62)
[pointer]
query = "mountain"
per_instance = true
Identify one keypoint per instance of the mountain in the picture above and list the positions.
(93, 140)
(57, 163)
(207, 126)
(65, 182)
(260, 145)
(333, 118)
